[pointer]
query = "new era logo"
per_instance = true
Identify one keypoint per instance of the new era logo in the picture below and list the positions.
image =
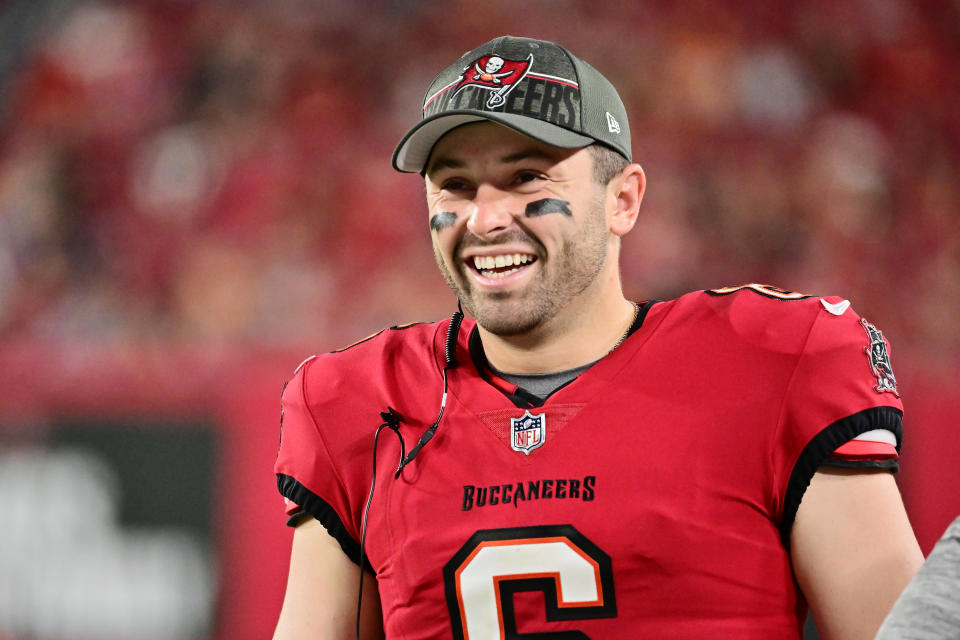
(612, 124)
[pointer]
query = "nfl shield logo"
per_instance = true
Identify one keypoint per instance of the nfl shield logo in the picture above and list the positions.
(528, 432)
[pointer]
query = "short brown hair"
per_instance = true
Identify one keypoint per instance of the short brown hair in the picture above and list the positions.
(606, 163)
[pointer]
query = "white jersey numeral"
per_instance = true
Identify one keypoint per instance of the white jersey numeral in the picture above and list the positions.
(573, 573)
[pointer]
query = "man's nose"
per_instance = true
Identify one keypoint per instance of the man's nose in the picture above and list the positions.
(490, 212)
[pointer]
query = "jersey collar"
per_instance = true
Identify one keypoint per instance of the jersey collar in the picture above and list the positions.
(469, 342)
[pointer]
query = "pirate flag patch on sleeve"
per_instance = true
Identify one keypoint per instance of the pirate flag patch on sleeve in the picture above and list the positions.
(879, 358)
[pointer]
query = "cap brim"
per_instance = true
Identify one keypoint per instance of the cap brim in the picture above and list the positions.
(414, 149)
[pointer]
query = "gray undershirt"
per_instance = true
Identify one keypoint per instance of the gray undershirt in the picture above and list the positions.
(929, 608)
(542, 384)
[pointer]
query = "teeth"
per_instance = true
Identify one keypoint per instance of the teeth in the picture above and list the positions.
(485, 263)
(498, 274)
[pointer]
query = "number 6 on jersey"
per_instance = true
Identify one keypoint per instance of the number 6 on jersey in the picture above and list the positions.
(575, 576)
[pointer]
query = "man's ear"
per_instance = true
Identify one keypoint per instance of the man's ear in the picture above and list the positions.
(626, 191)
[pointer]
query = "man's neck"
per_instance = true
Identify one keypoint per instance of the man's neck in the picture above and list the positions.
(570, 339)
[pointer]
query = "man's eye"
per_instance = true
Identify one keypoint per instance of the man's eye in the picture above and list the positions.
(528, 177)
(454, 185)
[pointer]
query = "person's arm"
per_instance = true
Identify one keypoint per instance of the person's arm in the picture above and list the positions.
(321, 597)
(853, 550)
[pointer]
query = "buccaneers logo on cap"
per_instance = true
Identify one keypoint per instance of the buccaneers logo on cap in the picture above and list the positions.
(495, 74)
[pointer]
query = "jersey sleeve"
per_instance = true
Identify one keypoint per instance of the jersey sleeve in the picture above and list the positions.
(842, 405)
(330, 414)
(306, 469)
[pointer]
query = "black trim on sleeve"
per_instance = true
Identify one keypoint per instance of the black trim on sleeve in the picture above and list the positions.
(297, 518)
(819, 449)
(324, 513)
(891, 465)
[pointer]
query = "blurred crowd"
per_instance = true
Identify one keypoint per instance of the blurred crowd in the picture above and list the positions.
(195, 173)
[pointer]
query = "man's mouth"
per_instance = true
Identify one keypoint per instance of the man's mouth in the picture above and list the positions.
(502, 265)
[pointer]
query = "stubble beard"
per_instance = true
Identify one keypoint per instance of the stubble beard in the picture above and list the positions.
(561, 278)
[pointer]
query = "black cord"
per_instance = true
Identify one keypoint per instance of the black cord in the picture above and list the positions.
(391, 420)
(453, 332)
(450, 354)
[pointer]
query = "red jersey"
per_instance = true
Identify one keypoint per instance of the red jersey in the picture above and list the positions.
(651, 497)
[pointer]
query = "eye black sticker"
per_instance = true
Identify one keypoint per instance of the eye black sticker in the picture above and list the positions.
(443, 220)
(547, 206)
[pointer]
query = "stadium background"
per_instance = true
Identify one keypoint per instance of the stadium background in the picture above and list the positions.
(196, 195)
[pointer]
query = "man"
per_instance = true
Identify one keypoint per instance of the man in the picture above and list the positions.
(598, 468)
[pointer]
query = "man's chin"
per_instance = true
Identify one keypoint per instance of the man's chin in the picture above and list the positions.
(507, 329)
(507, 319)
(503, 313)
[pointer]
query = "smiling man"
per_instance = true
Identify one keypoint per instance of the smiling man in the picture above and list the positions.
(528, 268)
(569, 463)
